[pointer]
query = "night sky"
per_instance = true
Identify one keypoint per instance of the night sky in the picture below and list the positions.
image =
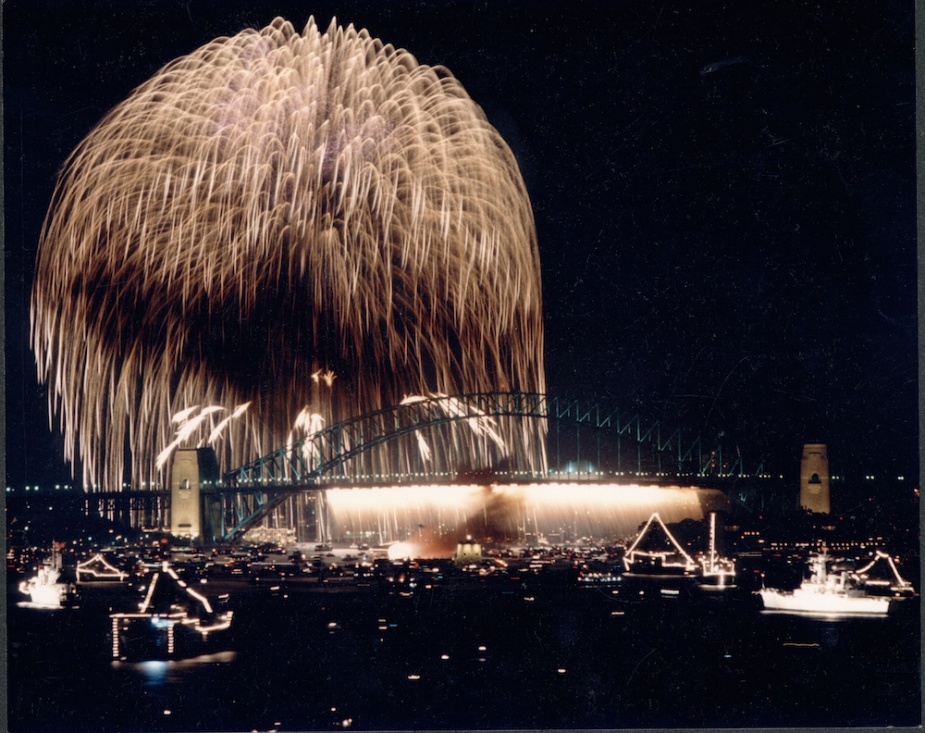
(724, 195)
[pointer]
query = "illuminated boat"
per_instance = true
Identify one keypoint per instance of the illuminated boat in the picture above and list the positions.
(49, 587)
(880, 577)
(654, 556)
(174, 621)
(716, 572)
(97, 570)
(825, 593)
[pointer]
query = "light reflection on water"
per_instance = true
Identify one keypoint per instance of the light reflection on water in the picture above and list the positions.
(155, 671)
(158, 671)
(38, 606)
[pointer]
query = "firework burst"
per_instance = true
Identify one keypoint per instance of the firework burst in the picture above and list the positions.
(272, 208)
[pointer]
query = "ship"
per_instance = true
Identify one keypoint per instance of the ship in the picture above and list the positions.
(881, 577)
(97, 570)
(173, 621)
(825, 593)
(659, 556)
(717, 572)
(49, 587)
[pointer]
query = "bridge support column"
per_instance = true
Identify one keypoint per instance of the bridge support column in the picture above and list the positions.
(185, 502)
(191, 468)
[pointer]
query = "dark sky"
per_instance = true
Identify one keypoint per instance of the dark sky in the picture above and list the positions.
(724, 194)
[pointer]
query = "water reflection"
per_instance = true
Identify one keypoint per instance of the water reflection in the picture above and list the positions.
(158, 671)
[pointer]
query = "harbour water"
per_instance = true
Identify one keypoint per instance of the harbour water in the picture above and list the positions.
(535, 650)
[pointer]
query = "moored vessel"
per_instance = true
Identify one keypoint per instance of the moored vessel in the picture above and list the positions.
(98, 570)
(49, 587)
(655, 553)
(717, 572)
(174, 621)
(825, 593)
(880, 577)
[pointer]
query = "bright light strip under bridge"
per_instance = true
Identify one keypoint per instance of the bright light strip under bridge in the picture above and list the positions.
(600, 510)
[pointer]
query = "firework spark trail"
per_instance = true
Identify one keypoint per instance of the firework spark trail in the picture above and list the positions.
(270, 207)
(306, 425)
(219, 429)
(190, 426)
(477, 421)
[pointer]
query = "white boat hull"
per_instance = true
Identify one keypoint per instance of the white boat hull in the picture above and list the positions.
(827, 604)
(46, 596)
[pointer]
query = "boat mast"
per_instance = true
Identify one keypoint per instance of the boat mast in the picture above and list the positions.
(712, 541)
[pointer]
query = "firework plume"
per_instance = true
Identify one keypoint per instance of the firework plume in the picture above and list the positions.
(272, 208)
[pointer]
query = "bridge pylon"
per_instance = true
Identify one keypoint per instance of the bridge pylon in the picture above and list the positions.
(192, 471)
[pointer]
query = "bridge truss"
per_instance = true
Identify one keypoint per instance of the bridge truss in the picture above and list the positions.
(247, 494)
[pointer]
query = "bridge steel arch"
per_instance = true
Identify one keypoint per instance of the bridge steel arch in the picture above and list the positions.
(248, 493)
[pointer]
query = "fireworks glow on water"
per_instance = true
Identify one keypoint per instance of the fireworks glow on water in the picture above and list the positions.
(291, 229)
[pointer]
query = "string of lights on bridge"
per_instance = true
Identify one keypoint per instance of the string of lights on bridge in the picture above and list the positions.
(391, 478)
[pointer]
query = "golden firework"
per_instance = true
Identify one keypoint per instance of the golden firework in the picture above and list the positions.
(273, 207)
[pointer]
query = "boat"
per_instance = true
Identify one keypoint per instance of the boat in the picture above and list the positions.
(97, 570)
(716, 572)
(49, 587)
(825, 593)
(880, 577)
(173, 621)
(657, 557)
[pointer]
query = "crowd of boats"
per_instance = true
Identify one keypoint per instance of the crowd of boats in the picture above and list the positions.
(832, 587)
(170, 610)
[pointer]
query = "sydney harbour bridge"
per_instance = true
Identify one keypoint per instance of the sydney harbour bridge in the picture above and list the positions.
(347, 213)
(588, 443)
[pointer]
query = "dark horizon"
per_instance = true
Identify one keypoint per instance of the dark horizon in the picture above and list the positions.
(724, 197)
